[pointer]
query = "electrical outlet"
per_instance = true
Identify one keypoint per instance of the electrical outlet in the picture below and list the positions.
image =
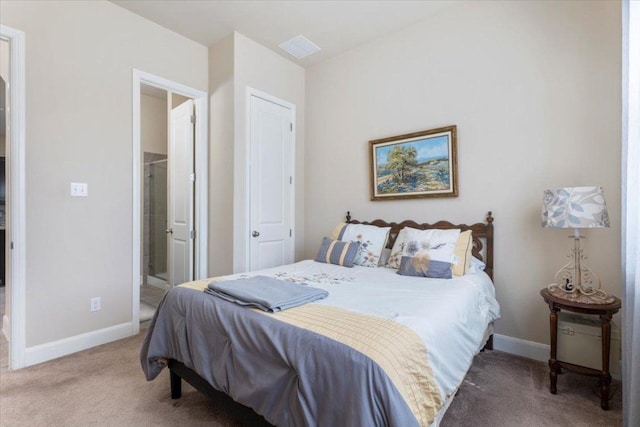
(79, 189)
(95, 304)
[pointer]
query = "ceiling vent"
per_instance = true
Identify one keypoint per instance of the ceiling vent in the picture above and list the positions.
(299, 46)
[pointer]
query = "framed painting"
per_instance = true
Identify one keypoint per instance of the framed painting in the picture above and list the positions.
(420, 164)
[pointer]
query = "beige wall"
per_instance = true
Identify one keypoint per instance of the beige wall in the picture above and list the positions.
(154, 124)
(236, 63)
(221, 151)
(262, 69)
(80, 56)
(176, 100)
(534, 88)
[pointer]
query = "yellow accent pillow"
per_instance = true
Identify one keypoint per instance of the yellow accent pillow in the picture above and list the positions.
(463, 252)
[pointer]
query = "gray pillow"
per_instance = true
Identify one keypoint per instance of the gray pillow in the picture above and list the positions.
(422, 266)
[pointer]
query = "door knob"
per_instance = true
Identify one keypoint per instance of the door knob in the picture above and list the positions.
(169, 231)
(255, 234)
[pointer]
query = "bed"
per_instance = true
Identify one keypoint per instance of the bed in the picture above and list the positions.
(381, 349)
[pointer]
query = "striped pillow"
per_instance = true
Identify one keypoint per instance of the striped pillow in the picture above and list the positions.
(337, 252)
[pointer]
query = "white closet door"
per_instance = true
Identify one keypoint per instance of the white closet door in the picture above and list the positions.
(271, 181)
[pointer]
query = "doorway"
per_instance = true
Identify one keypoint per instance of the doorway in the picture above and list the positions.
(169, 153)
(154, 105)
(271, 168)
(167, 138)
(12, 68)
(5, 309)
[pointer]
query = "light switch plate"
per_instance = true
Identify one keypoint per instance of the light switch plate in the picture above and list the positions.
(79, 189)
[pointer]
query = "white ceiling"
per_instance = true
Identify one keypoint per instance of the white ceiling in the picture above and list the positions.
(335, 26)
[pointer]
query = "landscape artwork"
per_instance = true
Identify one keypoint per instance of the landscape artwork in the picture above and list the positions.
(420, 164)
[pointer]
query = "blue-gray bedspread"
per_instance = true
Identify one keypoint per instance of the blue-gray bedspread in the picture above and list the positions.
(288, 374)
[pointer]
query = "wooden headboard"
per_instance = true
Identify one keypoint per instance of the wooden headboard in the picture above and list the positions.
(481, 232)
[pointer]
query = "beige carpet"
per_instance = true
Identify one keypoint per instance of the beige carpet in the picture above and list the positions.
(505, 390)
(146, 311)
(105, 386)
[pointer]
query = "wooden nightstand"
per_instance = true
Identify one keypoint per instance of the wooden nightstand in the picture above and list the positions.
(605, 312)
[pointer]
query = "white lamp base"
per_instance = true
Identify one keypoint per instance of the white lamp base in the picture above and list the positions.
(575, 281)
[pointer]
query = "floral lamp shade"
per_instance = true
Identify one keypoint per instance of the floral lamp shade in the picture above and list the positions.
(575, 207)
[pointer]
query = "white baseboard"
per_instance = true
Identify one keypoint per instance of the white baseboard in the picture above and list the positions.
(5, 326)
(520, 347)
(157, 283)
(536, 351)
(52, 350)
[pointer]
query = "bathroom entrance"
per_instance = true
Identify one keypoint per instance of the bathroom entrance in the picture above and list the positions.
(167, 141)
(170, 191)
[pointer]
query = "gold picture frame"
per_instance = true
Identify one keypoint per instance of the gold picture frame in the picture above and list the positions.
(419, 164)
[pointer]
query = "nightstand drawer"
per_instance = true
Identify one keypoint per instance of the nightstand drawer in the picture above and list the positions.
(580, 342)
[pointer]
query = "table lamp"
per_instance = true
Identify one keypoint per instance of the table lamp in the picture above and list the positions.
(576, 207)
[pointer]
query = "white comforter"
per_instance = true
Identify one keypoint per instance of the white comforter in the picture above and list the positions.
(450, 316)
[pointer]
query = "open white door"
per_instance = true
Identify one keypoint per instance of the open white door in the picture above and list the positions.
(181, 190)
(271, 181)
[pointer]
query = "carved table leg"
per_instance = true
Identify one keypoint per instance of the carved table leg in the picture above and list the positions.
(553, 376)
(554, 366)
(605, 381)
(605, 376)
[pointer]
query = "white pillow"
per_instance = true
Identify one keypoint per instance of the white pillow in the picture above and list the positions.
(439, 245)
(476, 266)
(396, 251)
(372, 240)
(384, 257)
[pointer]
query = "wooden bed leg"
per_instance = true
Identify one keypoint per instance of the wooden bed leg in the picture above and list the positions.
(176, 385)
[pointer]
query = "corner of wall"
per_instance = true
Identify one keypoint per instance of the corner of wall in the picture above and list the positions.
(221, 154)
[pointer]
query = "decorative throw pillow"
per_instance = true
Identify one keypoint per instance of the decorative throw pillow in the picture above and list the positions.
(422, 266)
(396, 251)
(438, 244)
(372, 240)
(384, 257)
(337, 252)
(463, 253)
(337, 231)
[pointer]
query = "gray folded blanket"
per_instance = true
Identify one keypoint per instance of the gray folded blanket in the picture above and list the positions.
(265, 293)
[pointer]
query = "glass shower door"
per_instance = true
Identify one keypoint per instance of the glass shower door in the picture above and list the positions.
(156, 220)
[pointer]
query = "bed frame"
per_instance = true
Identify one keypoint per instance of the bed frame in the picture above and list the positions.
(480, 232)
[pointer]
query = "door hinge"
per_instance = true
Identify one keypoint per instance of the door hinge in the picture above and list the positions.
(11, 246)
(291, 127)
(290, 233)
(192, 177)
(193, 234)
(290, 180)
(193, 119)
